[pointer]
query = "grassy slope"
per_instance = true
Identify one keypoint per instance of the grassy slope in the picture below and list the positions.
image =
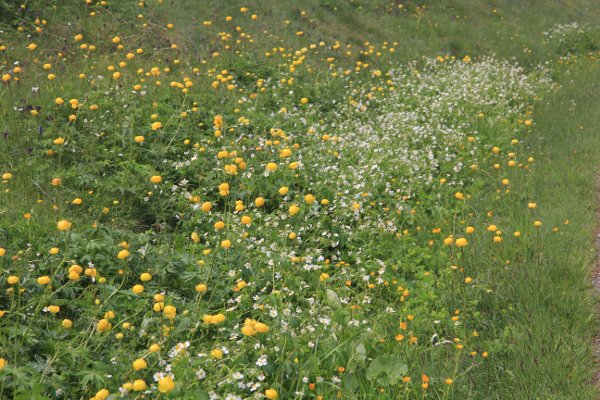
(547, 289)
(421, 28)
(551, 319)
(550, 322)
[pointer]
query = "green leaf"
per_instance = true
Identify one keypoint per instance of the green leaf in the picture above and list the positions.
(333, 299)
(387, 370)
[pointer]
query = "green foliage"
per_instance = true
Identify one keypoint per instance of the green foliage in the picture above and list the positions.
(393, 116)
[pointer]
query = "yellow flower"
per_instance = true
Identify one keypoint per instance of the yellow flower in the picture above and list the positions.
(156, 125)
(63, 225)
(104, 325)
(102, 394)
(3, 363)
(12, 280)
(139, 385)
(170, 312)
(206, 206)
(139, 139)
(271, 394)
(123, 254)
(58, 141)
(201, 287)
(137, 289)
(461, 242)
(54, 309)
(67, 323)
(309, 198)
(271, 167)
(43, 280)
(154, 348)
(226, 244)
(261, 328)
(140, 363)
(218, 121)
(166, 384)
(156, 179)
(219, 225)
(145, 277)
(217, 354)
(294, 209)
(248, 330)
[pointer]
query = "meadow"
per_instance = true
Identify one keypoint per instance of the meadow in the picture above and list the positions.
(335, 199)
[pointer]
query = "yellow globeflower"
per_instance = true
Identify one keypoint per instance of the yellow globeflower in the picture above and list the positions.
(137, 289)
(166, 384)
(104, 325)
(261, 328)
(140, 363)
(293, 210)
(271, 394)
(123, 254)
(63, 225)
(156, 179)
(53, 309)
(155, 348)
(206, 206)
(248, 330)
(139, 385)
(170, 312)
(43, 280)
(145, 277)
(461, 242)
(271, 167)
(201, 287)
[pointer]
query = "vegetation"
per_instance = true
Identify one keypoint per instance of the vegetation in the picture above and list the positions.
(318, 199)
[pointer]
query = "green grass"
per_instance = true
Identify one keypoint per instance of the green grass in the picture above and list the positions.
(551, 319)
(524, 309)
